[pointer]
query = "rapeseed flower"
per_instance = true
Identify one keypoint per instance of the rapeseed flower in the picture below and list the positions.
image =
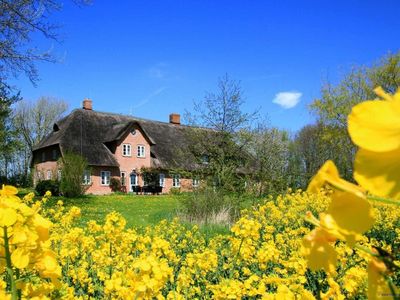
(374, 126)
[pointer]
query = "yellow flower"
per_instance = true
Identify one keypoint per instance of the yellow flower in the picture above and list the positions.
(352, 214)
(20, 258)
(329, 174)
(8, 216)
(8, 190)
(377, 286)
(319, 251)
(378, 172)
(375, 125)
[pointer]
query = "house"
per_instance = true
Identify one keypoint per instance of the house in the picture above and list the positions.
(118, 146)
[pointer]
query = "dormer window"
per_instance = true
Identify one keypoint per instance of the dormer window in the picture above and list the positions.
(141, 151)
(126, 150)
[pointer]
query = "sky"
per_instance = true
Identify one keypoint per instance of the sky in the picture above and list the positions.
(153, 58)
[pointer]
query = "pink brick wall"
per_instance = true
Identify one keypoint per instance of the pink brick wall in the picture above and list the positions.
(95, 186)
(133, 163)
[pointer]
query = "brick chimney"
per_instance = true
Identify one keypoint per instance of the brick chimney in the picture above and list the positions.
(175, 118)
(87, 104)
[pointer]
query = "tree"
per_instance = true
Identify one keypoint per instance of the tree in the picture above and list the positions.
(34, 121)
(19, 21)
(336, 102)
(270, 148)
(72, 168)
(8, 141)
(220, 149)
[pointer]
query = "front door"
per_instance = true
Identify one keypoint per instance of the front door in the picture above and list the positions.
(134, 181)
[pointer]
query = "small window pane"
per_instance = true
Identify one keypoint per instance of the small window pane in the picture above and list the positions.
(176, 180)
(162, 180)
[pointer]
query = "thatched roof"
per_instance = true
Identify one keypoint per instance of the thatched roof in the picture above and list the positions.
(89, 132)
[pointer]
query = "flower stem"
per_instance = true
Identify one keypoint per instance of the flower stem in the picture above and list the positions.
(14, 294)
(383, 200)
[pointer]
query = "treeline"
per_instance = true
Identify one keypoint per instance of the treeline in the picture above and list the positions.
(270, 160)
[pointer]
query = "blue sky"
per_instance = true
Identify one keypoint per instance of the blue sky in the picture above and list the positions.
(151, 58)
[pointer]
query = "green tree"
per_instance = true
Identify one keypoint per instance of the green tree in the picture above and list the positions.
(336, 101)
(72, 168)
(8, 140)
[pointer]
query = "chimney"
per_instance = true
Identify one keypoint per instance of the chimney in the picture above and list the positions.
(175, 119)
(87, 104)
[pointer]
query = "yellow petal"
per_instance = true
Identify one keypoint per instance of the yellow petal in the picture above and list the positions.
(8, 216)
(375, 125)
(352, 214)
(20, 258)
(42, 227)
(319, 253)
(378, 172)
(8, 190)
(328, 173)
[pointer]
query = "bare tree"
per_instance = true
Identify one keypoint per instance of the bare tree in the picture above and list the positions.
(19, 20)
(34, 121)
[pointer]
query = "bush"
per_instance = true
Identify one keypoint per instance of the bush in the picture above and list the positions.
(72, 168)
(115, 184)
(48, 185)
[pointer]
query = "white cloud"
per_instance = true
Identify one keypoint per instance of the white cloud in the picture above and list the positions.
(287, 99)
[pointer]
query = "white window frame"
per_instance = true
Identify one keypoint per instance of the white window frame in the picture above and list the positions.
(123, 178)
(87, 177)
(195, 182)
(141, 151)
(126, 150)
(106, 175)
(48, 175)
(176, 180)
(59, 174)
(162, 179)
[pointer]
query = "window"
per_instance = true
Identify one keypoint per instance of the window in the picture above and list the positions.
(126, 150)
(48, 175)
(54, 154)
(59, 174)
(195, 182)
(205, 159)
(86, 180)
(39, 175)
(162, 180)
(43, 156)
(105, 177)
(176, 180)
(123, 178)
(140, 151)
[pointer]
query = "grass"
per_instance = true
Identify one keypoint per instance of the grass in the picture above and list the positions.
(138, 210)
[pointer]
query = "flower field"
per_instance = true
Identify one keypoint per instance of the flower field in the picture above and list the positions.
(277, 250)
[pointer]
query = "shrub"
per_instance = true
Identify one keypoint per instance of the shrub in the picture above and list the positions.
(72, 169)
(48, 185)
(115, 184)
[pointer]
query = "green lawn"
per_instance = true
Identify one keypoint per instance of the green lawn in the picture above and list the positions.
(138, 210)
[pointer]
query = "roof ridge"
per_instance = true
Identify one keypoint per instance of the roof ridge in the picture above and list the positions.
(139, 118)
